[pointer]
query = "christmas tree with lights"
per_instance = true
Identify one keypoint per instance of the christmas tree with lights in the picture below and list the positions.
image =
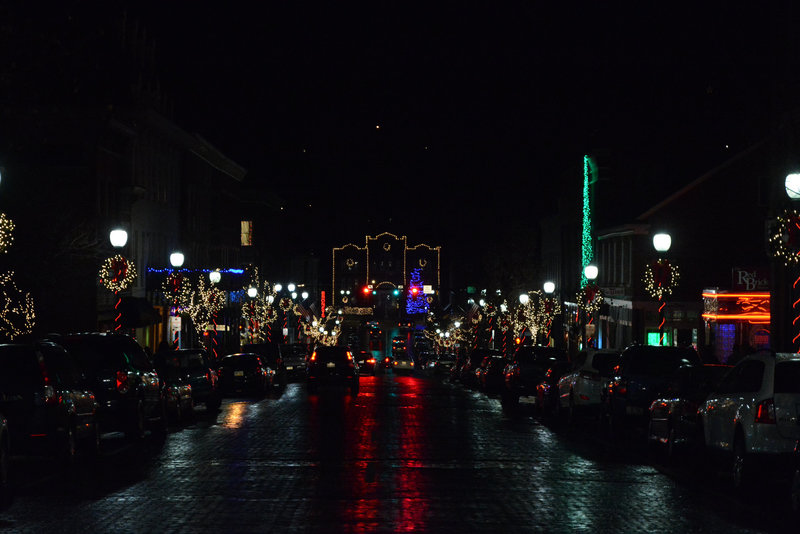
(416, 302)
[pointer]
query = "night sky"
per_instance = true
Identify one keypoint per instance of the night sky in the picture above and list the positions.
(451, 124)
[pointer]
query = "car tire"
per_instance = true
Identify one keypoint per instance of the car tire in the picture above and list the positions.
(739, 464)
(794, 492)
(214, 402)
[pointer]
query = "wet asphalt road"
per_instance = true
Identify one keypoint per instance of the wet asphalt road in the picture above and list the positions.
(406, 454)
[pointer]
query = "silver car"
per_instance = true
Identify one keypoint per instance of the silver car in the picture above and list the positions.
(581, 388)
(754, 413)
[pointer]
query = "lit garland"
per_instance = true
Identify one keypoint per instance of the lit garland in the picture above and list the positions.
(587, 252)
(6, 233)
(117, 273)
(785, 238)
(589, 298)
(258, 311)
(17, 316)
(177, 290)
(660, 278)
(286, 304)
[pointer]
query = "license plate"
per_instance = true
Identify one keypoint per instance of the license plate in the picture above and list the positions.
(289, 368)
(238, 373)
(330, 364)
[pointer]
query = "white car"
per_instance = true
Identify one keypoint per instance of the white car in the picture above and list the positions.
(581, 388)
(402, 364)
(754, 413)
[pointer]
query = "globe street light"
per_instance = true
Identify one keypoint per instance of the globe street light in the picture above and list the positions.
(662, 242)
(118, 237)
(215, 276)
(549, 287)
(590, 272)
(524, 299)
(176, 259)
(792, 185)
(252, 292)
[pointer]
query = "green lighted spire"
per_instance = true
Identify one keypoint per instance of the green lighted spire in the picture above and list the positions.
(587, 249)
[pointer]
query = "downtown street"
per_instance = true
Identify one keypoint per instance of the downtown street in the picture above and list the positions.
(408, 453)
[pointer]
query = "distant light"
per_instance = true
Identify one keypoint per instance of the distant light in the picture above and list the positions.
(278, 287)
(118, 237)
(291, 287)
(377, 126)
(549, 287)
(590, 272)
(176, 259)
(524, 299)
(304, 294)
(215, 277)
(252, 292)
(662, 242)
(792, 185)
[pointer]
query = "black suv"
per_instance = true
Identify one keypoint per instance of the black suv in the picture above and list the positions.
(195, 367)
(527, 369)
(122, 377)
(295, 358)
(332, 365)
(270, 354)
(642, 374)
(44, 398)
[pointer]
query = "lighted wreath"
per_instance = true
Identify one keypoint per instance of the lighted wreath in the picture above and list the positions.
(423, 262)
(345, 300)
(117, 273)
(785, 238)
(350, 262)
(173, 284)
(477, 318)
(661, 278)
(286, 304)
(387, 247)
(590, 298)
(270, 314)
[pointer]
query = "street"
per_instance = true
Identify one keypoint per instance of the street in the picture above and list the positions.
(409, 453)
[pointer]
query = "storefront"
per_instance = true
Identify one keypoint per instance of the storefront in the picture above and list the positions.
(736, 322)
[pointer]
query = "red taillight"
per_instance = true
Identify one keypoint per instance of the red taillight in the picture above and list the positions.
(765, 412)
(122, 382)
(386, 360)
(314, 356)
(619, 387)
(371, 360)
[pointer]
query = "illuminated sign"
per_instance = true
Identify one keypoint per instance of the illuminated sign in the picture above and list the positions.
(752, 306)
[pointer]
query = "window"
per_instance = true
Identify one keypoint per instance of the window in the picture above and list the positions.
(247, 233)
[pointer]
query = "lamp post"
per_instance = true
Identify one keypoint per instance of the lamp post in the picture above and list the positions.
(118, 238)
(591, 300)
(661, 242)
(252, 292)
(214, 277)
(551, 307)
(176, 259)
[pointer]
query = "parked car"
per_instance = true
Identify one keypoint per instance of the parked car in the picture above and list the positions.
(295, 357)
(123, 379)
(399, 346)
(366, 362)
(176, 388)
(6, 493)
(547, 399)
(467, 373)
(270, 354)
(642, 374)
(244, 373)
(674, 420)
(581, 388)
(490, 373)
(753, 415)
(195, 366)
(440, 364)
(44, 397)
(526, 370)
(385, 363)
(332, 365)
(794, 486)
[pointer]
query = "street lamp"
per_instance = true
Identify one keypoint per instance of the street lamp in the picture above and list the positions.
(214, 276)
(176, 259)
(118, 237)
(524, 299)
(590, 272)
(792, 185)
(549, 287)
(592, 293)
(662, 242)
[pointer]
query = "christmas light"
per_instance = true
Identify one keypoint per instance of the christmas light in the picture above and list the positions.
(17, 316)
(587, 249)
(6, 233)
(660, 278)
(117, 273)
(784, 239)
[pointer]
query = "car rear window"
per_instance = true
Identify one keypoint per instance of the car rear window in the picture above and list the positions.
(95, 353)
(659, 360)
(244, 362)
(332, 354)
(604, 362)
(787, 377)
(19, 366)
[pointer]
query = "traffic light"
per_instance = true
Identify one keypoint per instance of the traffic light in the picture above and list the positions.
(366, 290)
(396, 292)
(414, 291)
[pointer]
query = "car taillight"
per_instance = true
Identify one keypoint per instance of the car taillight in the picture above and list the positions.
(765, 412)
(371, 360)
(349, 356)
(122, 382)
(619, 387)
(314, 356)
(386, 360)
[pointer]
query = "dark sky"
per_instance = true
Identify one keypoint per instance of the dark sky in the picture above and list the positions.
(484, 108)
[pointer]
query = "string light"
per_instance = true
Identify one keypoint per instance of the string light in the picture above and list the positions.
(6, 233)
(785, 238)
(17, 315)
(587, 252)
(660, 278)
(117, 273)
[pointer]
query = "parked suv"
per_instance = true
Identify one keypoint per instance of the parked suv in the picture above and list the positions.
(272, 357)
(44, 398)
(754, 413)
(581, 388)
(527, 369)
(643, 373)
(122, 377)
(193, 365)
(295, 356)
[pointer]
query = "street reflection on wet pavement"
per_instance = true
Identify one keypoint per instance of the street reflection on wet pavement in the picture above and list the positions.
(407, 454)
